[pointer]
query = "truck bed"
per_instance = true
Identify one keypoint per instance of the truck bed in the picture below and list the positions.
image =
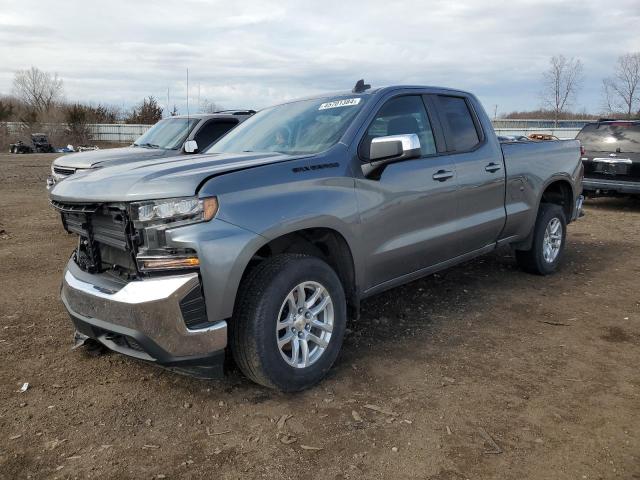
(529, 167)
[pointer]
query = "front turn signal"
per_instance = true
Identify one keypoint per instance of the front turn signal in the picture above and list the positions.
(167, 263)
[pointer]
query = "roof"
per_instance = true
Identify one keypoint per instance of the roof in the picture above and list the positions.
(220, 114)
(375, 91)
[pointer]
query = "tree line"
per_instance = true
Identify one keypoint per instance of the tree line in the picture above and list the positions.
(562, 82)
(38, 103)
(37, 99)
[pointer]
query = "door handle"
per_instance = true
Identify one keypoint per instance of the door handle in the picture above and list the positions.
(442, 175)
(492, 167)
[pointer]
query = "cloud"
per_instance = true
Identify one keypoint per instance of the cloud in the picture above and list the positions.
(255, 53)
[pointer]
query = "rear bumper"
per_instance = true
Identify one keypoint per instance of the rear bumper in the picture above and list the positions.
(142, 319)
(606, 186)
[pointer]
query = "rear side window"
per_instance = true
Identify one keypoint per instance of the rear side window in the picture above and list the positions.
(611, 137)
(462, 134)
(399, 116)
(212, 131)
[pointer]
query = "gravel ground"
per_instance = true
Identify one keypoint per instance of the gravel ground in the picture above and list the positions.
(478, 372)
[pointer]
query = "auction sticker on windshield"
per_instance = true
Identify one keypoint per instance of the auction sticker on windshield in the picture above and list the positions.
(347, 102)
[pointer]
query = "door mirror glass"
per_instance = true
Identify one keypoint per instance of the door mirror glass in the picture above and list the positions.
(395, 147)
(190, 146)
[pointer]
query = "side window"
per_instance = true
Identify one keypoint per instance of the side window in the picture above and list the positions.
(212, 131)
(401, 115)
(462, 129)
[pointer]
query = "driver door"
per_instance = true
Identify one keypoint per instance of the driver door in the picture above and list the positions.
(408, 209)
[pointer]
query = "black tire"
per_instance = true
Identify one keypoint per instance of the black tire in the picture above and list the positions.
(253, 336)
(533, 260)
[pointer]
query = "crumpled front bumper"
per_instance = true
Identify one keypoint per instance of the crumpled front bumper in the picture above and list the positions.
(141, 318)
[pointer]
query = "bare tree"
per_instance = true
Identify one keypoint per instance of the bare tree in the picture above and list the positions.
(39, 90)
(561, 84)
(622, 91)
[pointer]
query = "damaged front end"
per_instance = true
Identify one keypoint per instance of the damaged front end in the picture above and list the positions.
(126, 289)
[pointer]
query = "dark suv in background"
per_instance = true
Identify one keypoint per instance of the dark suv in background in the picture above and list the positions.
(611, 157)
(169, 137)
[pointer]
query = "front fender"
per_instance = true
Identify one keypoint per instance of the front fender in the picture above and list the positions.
(224, 251)
(278, 199)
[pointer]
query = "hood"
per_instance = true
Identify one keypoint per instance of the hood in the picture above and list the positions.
(110, 156)
(156, 178)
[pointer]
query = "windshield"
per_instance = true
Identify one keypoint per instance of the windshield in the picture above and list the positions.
(611, 137)
(303, 127)
(169, 133)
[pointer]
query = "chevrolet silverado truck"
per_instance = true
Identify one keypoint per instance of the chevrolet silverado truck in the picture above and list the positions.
(611, 157)
(180, 134)
(262, 247)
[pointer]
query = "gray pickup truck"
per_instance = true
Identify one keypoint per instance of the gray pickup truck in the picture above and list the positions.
(265, 245)
(177, 135)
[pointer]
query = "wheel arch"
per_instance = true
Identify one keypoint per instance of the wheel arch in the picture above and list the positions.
(326, 243)
(557, 190)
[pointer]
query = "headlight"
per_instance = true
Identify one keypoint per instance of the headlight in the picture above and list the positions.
(174, 210)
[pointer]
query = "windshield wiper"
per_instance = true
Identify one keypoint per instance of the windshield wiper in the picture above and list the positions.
(148, 145)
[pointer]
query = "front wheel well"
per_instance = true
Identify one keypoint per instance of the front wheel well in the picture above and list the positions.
(324, 243)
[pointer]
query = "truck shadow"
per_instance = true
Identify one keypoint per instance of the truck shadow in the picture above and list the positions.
(472, 286)
(435, 306)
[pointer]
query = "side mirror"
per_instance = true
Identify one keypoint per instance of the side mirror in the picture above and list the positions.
(392, 148)
(191, 146)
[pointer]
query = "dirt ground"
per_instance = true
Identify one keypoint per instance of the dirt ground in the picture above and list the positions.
(479, 372)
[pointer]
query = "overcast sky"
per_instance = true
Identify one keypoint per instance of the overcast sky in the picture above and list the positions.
(256, 53)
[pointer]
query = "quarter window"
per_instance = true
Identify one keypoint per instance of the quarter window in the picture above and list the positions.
(399, 116)
(462, 133)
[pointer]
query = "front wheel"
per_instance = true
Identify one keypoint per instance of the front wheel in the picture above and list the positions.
(549, 236)
(289, 322)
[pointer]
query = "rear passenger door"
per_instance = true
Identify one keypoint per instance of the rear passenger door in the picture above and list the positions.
(211, 131)
(480, 173)
(408, 208)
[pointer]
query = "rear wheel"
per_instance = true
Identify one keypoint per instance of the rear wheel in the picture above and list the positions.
(549, 237)
(288, 322)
